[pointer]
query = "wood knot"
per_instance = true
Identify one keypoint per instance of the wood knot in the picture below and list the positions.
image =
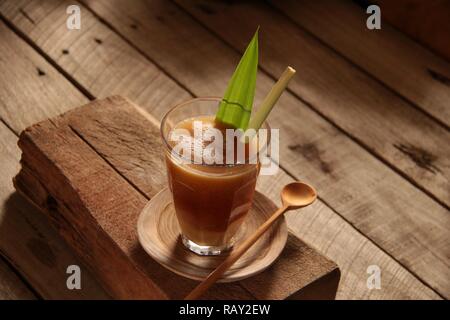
(420, 157)
(310, 152)
(439, 77)
(40, 72)
(42, 251)
(50, 203)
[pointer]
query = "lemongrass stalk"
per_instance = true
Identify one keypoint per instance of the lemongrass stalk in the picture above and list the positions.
(269, 102)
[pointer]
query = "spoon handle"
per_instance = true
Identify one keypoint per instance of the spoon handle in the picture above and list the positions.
(234, 256)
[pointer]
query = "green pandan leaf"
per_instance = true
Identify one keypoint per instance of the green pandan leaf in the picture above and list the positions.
(236, 105)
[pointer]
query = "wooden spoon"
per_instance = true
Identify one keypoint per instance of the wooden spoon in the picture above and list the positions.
(294, 195)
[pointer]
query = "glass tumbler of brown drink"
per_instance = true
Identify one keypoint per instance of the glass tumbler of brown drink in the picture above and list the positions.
(211, 199)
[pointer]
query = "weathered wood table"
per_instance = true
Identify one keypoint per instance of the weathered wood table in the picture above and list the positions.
(93, 169)
(366, 121)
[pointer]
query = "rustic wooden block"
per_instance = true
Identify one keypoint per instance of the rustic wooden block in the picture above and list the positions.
(92, 170)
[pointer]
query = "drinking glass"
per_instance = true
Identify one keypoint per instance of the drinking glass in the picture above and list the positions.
(211, 200)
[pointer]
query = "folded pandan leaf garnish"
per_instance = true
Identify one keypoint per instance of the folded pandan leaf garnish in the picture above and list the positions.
(236, 105)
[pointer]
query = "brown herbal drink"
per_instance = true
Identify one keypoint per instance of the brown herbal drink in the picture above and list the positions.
(211, 201)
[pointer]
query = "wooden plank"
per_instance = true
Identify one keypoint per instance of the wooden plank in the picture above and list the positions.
(88, 194)
(387, 54)
(332, 235)
(346, 245)
(11, 287)
(29, 242)
(175, 285)
(317, 288)
(98, 59)
(319, 226)
(373, 115)
(96, 133)
(50, 150)
(48, 287)
(409, 17)
(26, 239)
(349, 247)
(374, 199)
(23, 74)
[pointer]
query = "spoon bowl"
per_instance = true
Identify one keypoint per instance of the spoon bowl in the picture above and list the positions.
(298, 194)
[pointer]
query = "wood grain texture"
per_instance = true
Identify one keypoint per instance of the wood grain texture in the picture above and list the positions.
(321, 288)
(425, 21)
(64, 164)
(349, 247)
(23, 75)
(95, 56)
(319, 225)
(373, 115)
(375, 199)
(96, 133)
(93, 198)
(46, 282)
(11, 286)
(159, 234)
(387, 54)
(27, 239)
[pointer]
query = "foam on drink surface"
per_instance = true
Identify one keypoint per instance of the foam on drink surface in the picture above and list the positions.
(206, 141)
